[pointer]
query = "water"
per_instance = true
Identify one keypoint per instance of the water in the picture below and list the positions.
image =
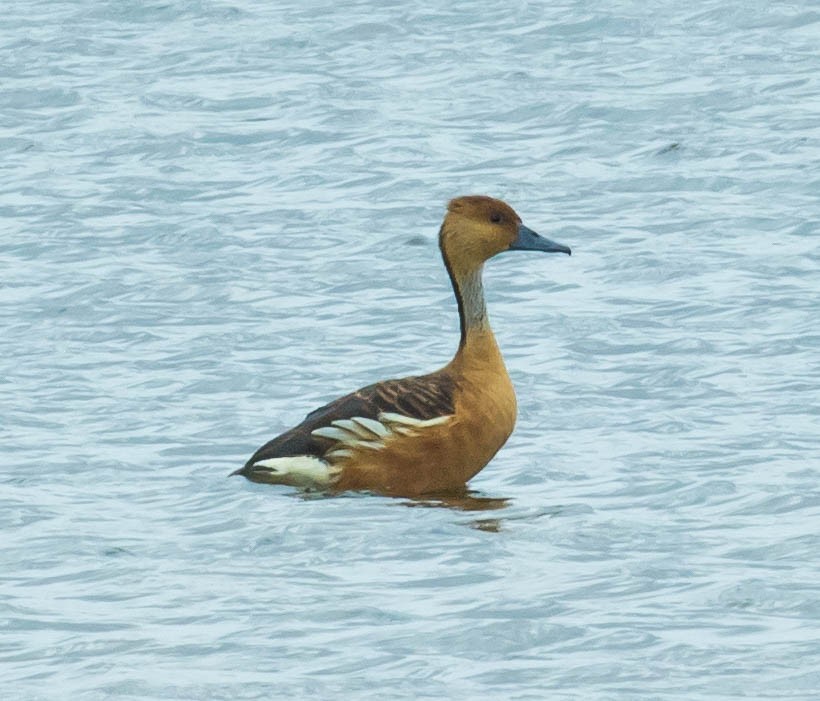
(216, 215)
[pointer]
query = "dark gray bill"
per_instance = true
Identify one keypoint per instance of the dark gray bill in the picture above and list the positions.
(528, 240)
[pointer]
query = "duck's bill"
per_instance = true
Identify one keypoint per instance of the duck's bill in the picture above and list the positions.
(528, 240)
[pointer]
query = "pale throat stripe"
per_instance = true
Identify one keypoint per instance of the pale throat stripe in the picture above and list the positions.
(471, 289)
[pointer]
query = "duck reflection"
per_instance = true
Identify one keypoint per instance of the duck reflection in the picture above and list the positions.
(469, 501)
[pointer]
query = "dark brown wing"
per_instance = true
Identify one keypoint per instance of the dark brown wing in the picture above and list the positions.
(423, 397)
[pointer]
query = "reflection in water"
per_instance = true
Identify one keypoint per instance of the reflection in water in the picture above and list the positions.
(465, 500)
(489, 525)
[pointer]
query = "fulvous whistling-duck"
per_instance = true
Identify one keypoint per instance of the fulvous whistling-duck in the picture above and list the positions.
(428, 434)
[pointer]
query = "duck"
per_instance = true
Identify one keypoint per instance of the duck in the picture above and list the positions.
(426, 434)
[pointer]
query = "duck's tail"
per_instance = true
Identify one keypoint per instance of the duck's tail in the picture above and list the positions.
(303, 471)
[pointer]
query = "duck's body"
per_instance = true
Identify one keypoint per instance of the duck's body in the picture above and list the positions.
(427, 434)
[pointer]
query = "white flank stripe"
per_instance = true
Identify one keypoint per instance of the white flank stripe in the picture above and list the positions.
(360, 433)
(372, 425)
(354, 428)
(339, 453)
(334, 433)
(390, 418)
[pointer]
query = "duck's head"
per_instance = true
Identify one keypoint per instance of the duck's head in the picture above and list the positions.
(477, 227)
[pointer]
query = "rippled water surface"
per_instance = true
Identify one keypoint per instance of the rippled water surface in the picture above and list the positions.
(216, 215)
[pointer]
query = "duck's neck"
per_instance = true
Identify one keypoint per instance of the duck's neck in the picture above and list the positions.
(472, 309)
(477, 351)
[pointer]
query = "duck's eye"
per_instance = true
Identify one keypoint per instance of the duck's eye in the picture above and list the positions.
(495, 218)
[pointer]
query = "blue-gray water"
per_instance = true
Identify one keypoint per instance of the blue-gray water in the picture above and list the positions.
(216, 215)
